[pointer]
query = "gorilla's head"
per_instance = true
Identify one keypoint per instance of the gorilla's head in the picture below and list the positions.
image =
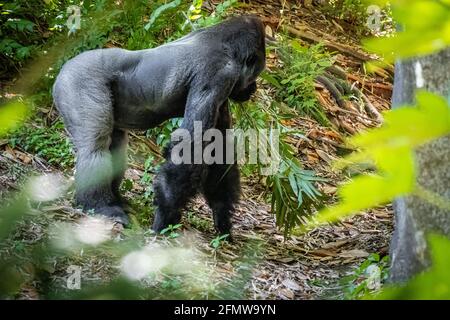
(252, 53)
(244, 38)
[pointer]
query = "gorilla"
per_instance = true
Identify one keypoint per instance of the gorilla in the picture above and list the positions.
(102, 93)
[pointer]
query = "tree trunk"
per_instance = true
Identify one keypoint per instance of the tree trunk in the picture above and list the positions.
(414, 217)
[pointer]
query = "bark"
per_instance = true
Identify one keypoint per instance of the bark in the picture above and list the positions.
(414, 217)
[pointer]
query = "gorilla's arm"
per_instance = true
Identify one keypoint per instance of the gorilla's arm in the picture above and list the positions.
(206, 96)
(244, 94)
(176, 183)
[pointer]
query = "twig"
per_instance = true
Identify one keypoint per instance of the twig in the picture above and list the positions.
(330, 45)
(370, 108)
(153, 147)
(333, 143)
(356, 114)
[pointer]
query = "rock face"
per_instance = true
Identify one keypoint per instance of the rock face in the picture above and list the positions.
(414, 217)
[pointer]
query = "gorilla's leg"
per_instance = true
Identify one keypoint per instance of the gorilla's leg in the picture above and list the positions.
(89, 118)
(93, 178)
(174, 186)
(118, 150)
(221, 186)
(221, 189)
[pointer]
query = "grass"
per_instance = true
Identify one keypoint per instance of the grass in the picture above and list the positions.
(217, 242)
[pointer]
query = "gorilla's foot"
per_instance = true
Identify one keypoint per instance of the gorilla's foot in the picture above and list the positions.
(163, 220)
(222, 224)
(124, 203)
(226, 232)
(115, 213)
(229, 238)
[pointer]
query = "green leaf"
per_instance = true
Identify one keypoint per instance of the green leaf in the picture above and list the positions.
(293, 182)
(270, 79)
(11, 115)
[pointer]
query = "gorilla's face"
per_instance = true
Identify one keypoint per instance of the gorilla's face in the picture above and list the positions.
(246, 84)
(255, 64)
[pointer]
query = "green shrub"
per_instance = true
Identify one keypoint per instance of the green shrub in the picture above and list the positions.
(295, 79)
(50, 143)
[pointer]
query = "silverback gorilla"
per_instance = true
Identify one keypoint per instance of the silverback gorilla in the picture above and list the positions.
(102, 93)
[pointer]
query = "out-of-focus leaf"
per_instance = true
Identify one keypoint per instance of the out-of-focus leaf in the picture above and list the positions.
(11, 115)
(418, 36)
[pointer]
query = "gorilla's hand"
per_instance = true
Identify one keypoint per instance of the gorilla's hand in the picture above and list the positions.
(244, 94)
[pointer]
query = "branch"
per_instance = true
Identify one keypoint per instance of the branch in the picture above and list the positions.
(330, 45)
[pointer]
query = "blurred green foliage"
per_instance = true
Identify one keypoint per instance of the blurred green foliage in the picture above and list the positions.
(41, 262)
(424, 29)
(11, 116)
(424, 26)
